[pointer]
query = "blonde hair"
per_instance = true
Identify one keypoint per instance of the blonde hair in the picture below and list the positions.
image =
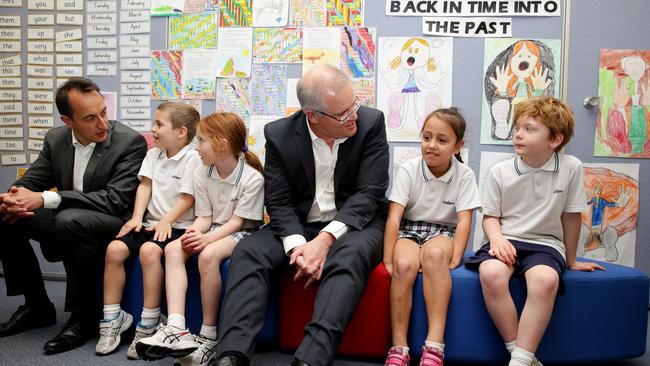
(228, 126)
(182, 115)
(431, 63)
(553, 113)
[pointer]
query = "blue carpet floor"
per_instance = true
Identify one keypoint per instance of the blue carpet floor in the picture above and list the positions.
(26, 348)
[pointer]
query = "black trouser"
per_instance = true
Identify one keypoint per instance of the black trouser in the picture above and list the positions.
(258, 258)
(76, 236)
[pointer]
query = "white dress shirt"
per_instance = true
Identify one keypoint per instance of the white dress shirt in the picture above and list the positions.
(82, 156)
(323, 209)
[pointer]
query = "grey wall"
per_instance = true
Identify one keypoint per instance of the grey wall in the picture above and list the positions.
(595, 24)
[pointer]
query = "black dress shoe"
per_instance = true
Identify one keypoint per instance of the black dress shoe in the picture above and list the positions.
(74, 334)
(297, 362)
(28, 317)
(231, 361)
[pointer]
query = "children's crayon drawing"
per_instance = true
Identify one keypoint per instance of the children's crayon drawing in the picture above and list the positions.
(414, 80)
(515, 69)
(609, 226)
(624, 114)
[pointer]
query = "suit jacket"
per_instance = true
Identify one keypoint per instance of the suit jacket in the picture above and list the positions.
(360, 176)
(110, 179)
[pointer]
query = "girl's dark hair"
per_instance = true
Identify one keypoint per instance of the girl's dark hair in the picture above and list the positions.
(453, 117)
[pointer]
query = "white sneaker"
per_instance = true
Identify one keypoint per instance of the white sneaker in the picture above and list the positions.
(141, 332)
(110, 331)
(168, 341)
(202, 356)
(536, 362)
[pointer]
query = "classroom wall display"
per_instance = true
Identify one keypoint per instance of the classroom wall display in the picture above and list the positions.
(358, 48)
(234, 95)
(307, 13)
(166, 74)
(414, 78)
(167, 7)
(344, 12)
(515, 69)
(270, 13)
(624, 108)
(193, 31)
(608, 231)
(277, 45)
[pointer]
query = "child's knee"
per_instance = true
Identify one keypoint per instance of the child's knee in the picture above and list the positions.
(150, 253)
(435, 257)
(208, 260)
(405, 267)
(543, 282)
(494, 277)
(116, 252)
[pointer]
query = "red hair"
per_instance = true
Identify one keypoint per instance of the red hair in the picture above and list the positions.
(228, 126)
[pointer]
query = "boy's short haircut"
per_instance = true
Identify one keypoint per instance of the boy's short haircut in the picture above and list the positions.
(553, 113)
(182, 115)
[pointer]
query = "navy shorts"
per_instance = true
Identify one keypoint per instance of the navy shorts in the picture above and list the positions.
(135, 240)
(528, 256)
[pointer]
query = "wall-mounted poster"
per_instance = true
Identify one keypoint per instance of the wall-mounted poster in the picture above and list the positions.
(609, 226)
(166, 75)
(515, 69)
(414, 80)
(624, 115)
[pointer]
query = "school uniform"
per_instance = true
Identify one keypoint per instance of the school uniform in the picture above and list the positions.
(431, 203)
(529, 203)
(170, 177)
(240, 194)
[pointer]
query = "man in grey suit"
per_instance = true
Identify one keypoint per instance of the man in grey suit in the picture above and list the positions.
(326, 176)
(93, 164)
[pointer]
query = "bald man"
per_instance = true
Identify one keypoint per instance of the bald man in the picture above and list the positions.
(326, 177)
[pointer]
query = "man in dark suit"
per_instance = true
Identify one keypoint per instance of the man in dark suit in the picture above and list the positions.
(93, 164)
(326, 176)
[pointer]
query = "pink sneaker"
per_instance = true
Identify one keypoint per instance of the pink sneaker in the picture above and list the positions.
(396, 357)
(431, 357)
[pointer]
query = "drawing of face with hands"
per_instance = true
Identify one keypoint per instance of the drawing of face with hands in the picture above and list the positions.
(523, 70)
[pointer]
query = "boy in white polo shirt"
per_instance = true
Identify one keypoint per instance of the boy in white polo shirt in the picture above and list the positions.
(165, 193)
(531, 209)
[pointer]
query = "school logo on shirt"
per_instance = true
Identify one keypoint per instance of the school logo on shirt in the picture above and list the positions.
(448, 203)
(558, 191)
(176, 177)
(234, 199)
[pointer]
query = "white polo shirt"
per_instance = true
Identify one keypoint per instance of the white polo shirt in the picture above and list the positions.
(431, 199)
(530, 202)
(241, 194)
(169, 178)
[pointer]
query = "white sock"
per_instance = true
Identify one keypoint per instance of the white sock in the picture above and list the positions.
(404, 349)
(521, 357)
(209, 331)
(111, 311)
(176, 320)
(439, 346)
(150, 317)
(510, 346)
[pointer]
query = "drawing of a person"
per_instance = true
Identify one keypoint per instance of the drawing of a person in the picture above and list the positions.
(523, 70)
(415, 67)
(598, 236)
(635, 67)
